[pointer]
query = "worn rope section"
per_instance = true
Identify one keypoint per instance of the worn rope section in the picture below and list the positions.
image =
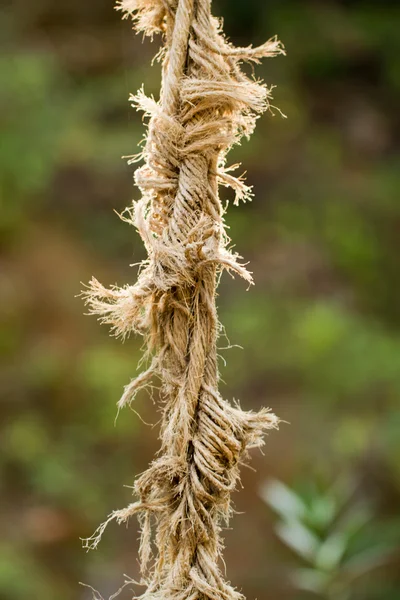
(207, 104)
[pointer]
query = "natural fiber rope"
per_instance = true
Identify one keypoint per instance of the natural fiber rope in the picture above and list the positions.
(207, 104)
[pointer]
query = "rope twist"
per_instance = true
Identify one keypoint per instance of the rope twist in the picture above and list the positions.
(207, 104)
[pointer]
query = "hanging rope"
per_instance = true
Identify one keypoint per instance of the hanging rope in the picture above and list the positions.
(207, 104)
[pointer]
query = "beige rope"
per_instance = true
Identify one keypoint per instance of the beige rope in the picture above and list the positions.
(207, 104)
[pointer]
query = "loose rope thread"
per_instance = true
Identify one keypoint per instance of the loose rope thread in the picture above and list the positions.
(207, 104)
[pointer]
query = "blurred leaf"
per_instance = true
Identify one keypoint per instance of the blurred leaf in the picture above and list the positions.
(298, 538)
(322, 511)
(331, 551)
(310, 580)
(282, 499)
(364, 562)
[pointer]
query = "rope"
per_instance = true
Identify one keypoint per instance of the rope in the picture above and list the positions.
(207, 104)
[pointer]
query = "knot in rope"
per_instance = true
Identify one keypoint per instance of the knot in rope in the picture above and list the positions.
(207, 104)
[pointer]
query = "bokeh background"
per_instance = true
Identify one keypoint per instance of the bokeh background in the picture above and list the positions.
(320, 330)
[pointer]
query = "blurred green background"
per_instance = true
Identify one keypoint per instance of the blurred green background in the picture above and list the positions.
(320, 330)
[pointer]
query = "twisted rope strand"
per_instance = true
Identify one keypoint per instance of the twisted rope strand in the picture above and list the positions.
(207, 104)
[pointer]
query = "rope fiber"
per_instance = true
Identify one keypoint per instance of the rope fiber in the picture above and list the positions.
(207, 104)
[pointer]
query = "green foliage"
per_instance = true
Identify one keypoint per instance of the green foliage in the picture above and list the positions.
(333, 534)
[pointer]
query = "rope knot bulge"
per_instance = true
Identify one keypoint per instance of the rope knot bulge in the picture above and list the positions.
(207, 105)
